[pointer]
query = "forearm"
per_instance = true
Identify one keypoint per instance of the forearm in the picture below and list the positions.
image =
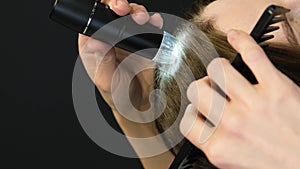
(162, 161)
(135, 130)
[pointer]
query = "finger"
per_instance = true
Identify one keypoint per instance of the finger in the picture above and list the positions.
(156, 20)
(139, 14)
(191, 124)
(99, 61)
(105, 71)
(194, 128)
(91, 45)
(82, 39)
(254, 57)
(221, 72)
(120, 7)
(207, 101)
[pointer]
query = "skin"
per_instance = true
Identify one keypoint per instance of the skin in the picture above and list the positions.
(244, 14)
(248, 136)
(260, 123)
(141, 85)
(259, 127)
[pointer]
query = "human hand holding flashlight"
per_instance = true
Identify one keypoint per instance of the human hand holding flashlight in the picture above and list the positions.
(110, 71)
(259, 127)
(90, 49)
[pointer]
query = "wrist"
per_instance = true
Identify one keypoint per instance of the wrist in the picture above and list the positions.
(134, 129)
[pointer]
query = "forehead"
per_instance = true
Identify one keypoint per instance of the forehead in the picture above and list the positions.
(240, 14)
(235, 14)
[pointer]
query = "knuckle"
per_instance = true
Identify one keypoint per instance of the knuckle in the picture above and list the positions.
(285, 85)
(279, 98)
(215, 155)
(105, 89)
(107, 59)
(216, 66)
(233, 126)
(134, 7)
(99, 84)
(93, 45)
(141, 7)
(253, 53)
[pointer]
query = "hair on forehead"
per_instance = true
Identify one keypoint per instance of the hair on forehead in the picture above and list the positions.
(196, 8)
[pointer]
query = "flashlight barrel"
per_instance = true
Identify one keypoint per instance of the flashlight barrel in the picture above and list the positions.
(95, 19)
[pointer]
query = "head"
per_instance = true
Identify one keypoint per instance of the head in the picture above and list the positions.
(215, 19)
(243, 14)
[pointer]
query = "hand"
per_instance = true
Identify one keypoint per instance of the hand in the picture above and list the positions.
(140, 87)
(260, 124)
(92, 52)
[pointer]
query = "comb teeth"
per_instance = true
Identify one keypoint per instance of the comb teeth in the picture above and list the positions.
(264, 38)
(273, 14)
(264, 45)
(258, 33)
(280, 10)
(271, 29)
(277, 19)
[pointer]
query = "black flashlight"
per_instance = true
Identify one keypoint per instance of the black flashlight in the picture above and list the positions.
(88, 16)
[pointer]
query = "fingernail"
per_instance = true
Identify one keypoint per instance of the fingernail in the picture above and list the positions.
(158, 21)
(232, 34)
(140, 15)
(121, 2)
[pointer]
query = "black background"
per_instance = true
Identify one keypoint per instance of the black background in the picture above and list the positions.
(39, 128)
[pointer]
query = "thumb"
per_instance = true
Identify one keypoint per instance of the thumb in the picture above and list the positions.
(254, 56)
(99, 60)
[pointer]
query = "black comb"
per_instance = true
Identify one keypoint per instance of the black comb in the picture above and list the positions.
(273, 14)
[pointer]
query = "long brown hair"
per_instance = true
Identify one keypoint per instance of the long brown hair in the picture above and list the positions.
(285, 57)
